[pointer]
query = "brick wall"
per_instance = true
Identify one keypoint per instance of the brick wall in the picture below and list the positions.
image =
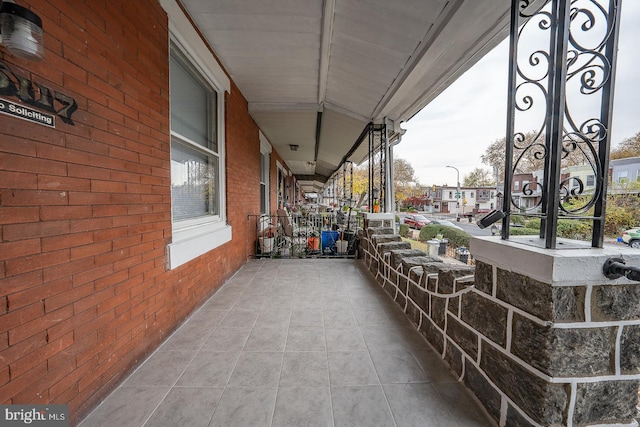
(85, 213)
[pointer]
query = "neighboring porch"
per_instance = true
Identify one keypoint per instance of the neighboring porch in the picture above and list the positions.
(294, 342)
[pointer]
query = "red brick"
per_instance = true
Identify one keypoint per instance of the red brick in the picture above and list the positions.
(56, 213)
(61, 183)
(17, 163)
(19, 283)
(35, 294)
(15, 318)
(68, 269)
(90, 224)
(91, 275)
(67, 241)
(90, 250)
(28, 361)
(36, 262)
(111, 280)
(91, 172)
(109, 210)
(110, 233)
(33, 197)
(4, 376)
(72, 325)
(66, 298)
(16, 232)
(18, 384)
(40, 324)
(38, 392)
(107, 187)
(63, 154)
(22, 248)
(18, 215)
(18, 180)
(93, 300)
(112, 57)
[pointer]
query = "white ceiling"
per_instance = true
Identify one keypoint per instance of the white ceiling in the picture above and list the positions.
(316, 72)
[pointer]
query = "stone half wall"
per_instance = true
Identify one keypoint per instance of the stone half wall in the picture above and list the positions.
(534, 353)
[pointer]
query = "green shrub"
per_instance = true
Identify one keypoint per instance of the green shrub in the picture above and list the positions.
(532, 223)
(404, 230)
(619, 219)
(523, 231)
(517, 219)
(574, 229)
(397, 219)
(456, 237)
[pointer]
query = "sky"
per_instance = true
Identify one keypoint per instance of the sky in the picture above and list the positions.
(459, 125)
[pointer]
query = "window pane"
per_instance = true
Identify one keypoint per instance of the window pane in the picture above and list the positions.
(193, 186)
(193, 105)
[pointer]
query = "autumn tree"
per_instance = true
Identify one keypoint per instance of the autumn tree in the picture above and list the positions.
(630, 147)
(405, 183)
(479, 177)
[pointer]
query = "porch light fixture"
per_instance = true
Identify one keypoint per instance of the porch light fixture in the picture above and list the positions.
(293, 147)
(490, 218)
(21, 31)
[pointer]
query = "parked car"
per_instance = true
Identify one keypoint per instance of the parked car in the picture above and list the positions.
(446, 223)
(632, 237)
(416, 221)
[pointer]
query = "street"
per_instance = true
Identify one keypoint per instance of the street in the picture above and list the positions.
(469, 227)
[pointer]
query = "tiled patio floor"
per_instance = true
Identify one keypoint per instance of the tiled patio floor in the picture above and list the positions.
(293, 343)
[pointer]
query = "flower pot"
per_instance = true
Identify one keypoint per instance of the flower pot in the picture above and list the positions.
(313, 244)
(341, 246)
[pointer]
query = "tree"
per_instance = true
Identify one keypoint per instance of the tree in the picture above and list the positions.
(533, 159)
(405, 182)
(630, 147)
(479, 177)
(494, 155)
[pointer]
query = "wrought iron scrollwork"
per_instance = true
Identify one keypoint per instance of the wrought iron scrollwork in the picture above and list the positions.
(564, 91)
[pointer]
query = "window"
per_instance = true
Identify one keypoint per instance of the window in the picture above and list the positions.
(623, 176)
(463, 194)
(197, 160)
(265, 174)
(472, 194)
(451, 194)
(591, 180)
(516, 185)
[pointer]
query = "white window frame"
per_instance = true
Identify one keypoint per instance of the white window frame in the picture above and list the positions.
(195, 237)
(265, 150)
(623, 175)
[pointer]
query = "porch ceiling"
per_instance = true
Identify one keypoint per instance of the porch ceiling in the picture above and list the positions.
(316, 72)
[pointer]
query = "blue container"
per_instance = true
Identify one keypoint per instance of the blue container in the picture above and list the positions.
(328, 241)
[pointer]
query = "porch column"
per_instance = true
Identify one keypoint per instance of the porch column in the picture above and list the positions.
(561, 78)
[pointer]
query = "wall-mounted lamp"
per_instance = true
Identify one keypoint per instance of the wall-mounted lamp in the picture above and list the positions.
(21, 31)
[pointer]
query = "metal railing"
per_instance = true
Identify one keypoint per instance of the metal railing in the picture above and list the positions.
(293, 235)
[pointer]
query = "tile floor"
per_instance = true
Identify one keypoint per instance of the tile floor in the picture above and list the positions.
(311, 342)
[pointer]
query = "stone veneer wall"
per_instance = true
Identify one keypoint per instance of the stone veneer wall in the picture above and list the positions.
(533, 354)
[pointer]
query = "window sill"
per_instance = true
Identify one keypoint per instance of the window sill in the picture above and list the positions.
(192, 242)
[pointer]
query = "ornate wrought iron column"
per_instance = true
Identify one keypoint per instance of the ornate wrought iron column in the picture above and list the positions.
(377, 159)
(561, 80)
